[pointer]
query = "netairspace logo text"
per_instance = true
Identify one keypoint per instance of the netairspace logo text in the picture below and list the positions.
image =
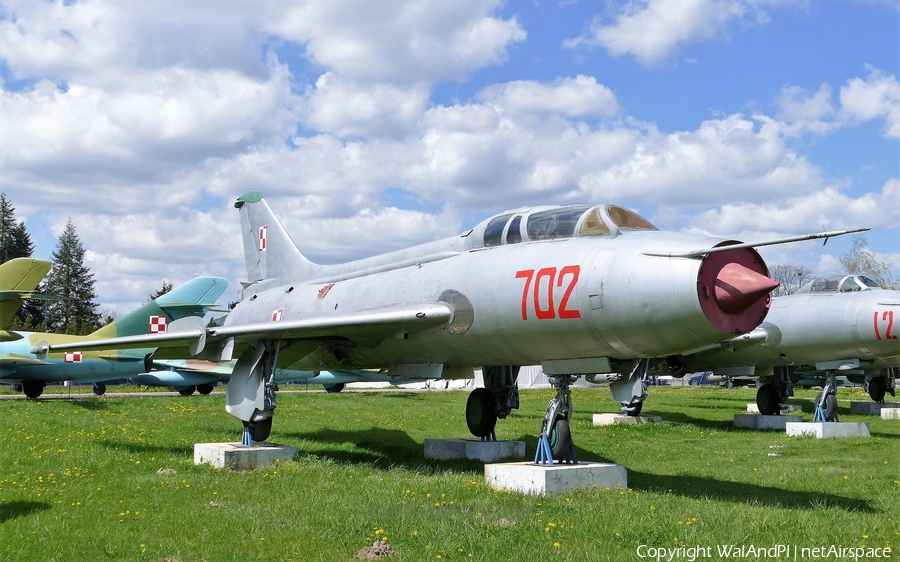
(776, 552)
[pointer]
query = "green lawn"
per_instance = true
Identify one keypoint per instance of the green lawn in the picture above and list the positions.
(113, 479)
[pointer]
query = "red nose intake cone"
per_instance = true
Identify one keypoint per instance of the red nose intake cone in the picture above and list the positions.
(738, 287)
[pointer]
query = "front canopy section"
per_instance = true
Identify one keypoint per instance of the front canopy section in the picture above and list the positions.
(553, 223)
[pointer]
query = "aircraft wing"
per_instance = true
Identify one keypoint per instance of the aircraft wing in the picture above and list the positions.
(377, 323)
(189, 331)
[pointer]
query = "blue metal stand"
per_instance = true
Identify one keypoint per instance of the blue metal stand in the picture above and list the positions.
(544, 456)
(820, 415)
(246, 438)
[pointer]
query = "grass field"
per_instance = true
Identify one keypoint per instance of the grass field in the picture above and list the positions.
(113, 479)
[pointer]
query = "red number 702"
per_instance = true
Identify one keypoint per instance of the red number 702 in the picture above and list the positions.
(544, 281)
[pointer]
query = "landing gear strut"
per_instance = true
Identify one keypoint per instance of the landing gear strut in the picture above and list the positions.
(250, 395)
(631, 390)
(556, 425)
(826, 401)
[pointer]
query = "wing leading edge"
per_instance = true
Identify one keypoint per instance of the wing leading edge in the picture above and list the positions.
(380, 323)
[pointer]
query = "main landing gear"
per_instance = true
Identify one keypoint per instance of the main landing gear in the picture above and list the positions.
(250, 395)
(497, 399)
(772, 394)
(632, 389)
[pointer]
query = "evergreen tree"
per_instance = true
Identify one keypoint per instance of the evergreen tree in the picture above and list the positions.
(166, 287)
(15, 242)
(71, 278)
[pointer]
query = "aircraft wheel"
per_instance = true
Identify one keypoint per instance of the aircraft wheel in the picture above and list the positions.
(560, 439)
(767, 400)
(187, 391)
(634, 409)
(33, 389)
(259, 431)
(830, 406)
(481, 413)
(334, 388)
(205, 389)
(877, 389)
(99, 388)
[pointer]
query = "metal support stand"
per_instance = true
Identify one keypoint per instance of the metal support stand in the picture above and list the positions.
(544, 457)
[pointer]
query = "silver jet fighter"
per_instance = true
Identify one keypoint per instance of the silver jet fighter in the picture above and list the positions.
(838, 325)
(577, 289)
(573, 288)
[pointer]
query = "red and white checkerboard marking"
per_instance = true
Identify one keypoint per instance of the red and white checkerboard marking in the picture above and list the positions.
(263, 235)
(276, 315)
(72, 357)
(158, 324)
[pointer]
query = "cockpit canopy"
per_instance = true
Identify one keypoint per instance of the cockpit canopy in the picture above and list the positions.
(561, 222)
(842, 283)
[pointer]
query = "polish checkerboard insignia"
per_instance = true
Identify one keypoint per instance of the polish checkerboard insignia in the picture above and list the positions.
(263, 235)
(158, 324)
(72, 357)
(276, 315)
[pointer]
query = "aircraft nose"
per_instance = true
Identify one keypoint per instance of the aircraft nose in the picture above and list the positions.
(737, 288)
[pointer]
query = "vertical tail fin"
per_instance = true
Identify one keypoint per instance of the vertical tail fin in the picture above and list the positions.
(193, 298)
(269, 251)
(18, 277)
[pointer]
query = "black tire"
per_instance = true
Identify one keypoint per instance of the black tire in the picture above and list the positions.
(205, 389)
(481, 412)
(768, 400)
(187, 391)
(634, 409)
(33, 389)
(334, 388)
(99, 388)
(877, 389)
(560, 439)
(829, 407)
(259, 431)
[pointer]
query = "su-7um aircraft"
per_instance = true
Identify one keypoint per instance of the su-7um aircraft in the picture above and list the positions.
(577, 289)
(24, 359)
(838, 324)
(186, 376)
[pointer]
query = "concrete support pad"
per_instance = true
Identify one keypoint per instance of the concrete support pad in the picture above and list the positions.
(610, 419)
(824, 430)
(754, 409)
(758, 421)
(871, 408)
(240, 457)
(890, 413)
(538, 480)
(475, 449)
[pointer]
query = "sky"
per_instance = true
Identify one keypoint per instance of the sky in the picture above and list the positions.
(372, 125)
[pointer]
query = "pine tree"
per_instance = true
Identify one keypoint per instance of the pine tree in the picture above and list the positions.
(71, 278)
(166, 287)
(15, 242)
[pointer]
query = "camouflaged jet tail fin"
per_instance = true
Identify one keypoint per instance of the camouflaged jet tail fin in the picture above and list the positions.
(193, 298)
(269, 251)
(18, 277)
